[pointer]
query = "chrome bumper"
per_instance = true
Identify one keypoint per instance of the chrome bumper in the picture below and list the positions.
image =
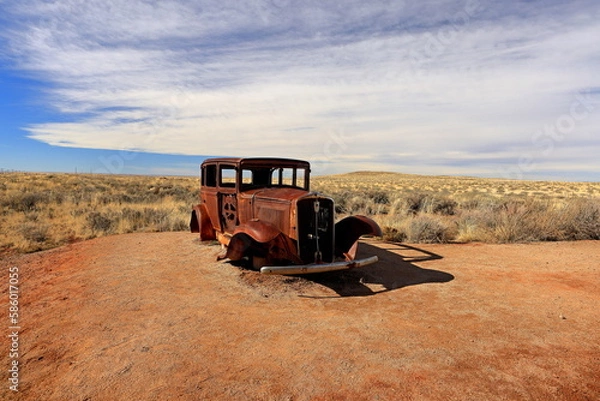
(317, 268)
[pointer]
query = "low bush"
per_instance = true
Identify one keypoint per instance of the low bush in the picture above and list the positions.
(427, 229)
(581, 220)
(101, 222)
(34, 232)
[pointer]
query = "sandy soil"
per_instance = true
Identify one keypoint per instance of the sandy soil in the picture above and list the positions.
(155, 317)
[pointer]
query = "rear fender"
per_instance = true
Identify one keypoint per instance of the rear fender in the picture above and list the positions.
(200, 223)
(349, 230)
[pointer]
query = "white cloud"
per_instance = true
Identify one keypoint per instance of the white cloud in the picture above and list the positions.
(362, 84)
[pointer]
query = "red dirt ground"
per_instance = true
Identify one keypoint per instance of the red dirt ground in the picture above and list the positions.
(155, 317)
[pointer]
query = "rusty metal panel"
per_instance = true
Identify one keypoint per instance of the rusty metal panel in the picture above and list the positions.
(349, 230)
(245, 208)
(274, 213)
(208, 197)
(200, 223)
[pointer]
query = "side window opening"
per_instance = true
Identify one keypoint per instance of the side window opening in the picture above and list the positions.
(288, 176)
(274, 181)
(247, 177)
(227, 176)
(301, 178)
(209, 175)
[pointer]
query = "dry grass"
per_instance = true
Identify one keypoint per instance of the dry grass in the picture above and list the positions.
(41, 211)
(461, 209)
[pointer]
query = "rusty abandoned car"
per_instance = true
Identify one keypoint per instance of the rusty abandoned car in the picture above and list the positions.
(262, 210)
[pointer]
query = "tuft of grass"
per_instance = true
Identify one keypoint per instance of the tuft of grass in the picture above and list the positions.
(34, 232)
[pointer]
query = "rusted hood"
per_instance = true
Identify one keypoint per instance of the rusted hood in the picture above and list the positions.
(277, 194)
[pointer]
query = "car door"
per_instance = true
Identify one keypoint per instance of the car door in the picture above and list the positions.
(228, 203)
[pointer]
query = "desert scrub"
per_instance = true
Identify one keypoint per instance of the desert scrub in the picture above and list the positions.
(41, 211)
(463, 209)
(524, 220)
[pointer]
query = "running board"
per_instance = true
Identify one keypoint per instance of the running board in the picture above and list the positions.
(317, 268)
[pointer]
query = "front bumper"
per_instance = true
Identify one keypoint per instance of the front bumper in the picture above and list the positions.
(317, 268)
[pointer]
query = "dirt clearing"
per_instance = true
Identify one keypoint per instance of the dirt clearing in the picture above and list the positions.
(155, 317)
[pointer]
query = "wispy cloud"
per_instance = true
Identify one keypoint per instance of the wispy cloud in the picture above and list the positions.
(385, 84)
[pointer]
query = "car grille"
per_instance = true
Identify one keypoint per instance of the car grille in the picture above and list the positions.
(316, 229)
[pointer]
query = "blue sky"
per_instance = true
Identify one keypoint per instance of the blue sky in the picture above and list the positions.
(495, 89)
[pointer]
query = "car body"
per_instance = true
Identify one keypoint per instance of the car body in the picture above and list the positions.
(262, 209)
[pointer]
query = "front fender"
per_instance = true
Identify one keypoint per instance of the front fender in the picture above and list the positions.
(349, 230)
(258, 230)
(259, 238)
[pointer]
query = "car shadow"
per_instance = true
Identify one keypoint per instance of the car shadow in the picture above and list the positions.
(394, 270)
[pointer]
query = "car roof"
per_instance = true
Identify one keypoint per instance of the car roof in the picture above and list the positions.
(258, 161)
